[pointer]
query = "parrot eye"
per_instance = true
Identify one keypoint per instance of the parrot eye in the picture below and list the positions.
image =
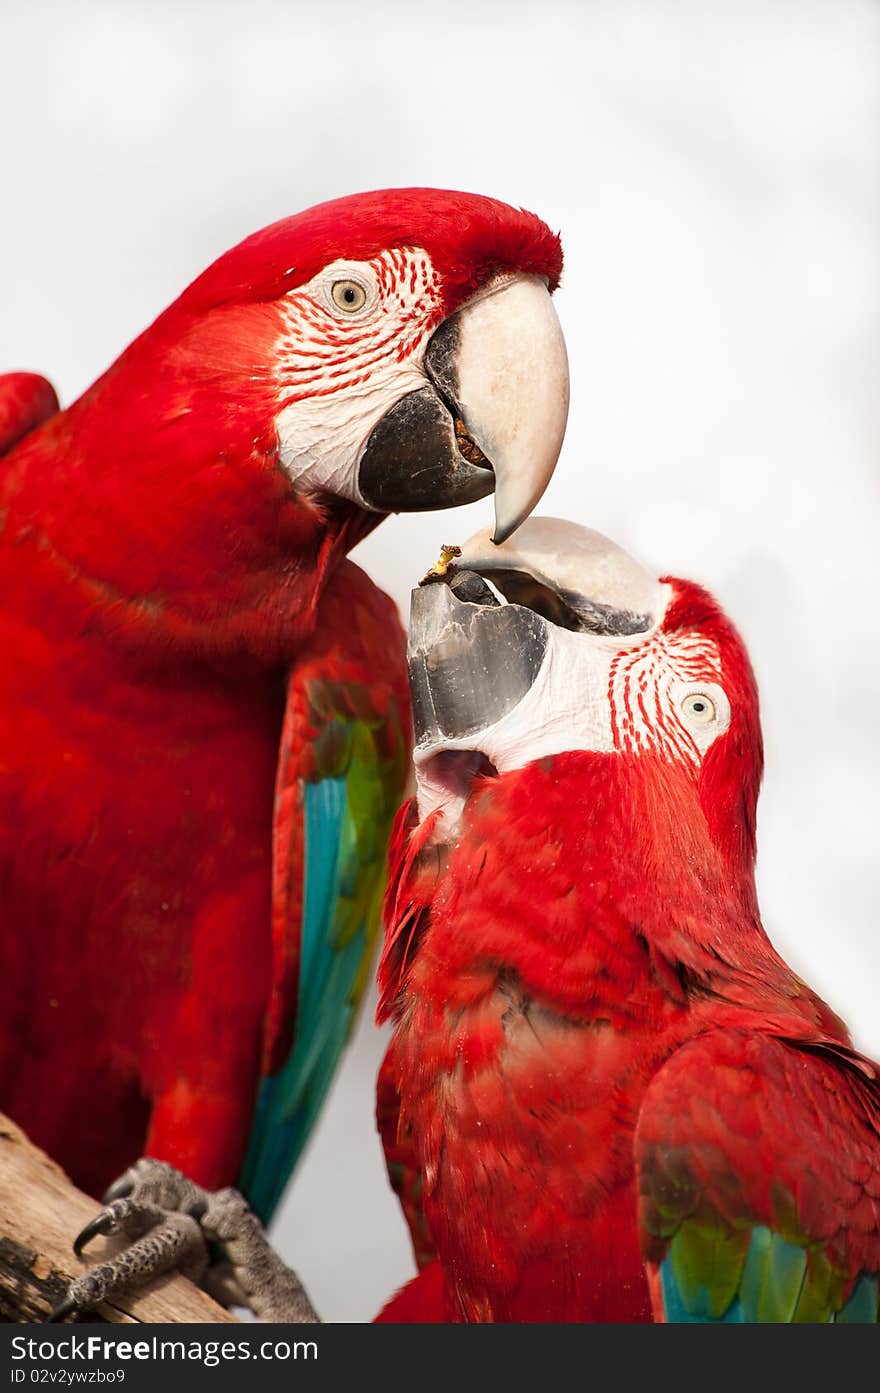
(699, 708)
(704, 711)
(348, 296)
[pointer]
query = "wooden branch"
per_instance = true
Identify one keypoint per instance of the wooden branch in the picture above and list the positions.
(40, 1215)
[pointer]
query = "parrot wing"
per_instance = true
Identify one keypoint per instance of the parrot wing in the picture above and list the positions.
(758, 1163)
(342, 770)
(26, 401)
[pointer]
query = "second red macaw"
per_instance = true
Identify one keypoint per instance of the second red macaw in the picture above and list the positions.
(607, 1097)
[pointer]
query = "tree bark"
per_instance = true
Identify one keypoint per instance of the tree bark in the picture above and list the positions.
(41, 1213)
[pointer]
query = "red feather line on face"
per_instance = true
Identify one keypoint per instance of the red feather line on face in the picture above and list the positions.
(643, 714)
(730, 775)
(319, 354)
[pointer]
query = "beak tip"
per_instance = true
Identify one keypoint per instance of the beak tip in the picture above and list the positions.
(505, 523)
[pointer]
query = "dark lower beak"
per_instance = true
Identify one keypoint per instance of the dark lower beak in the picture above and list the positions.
(412, 462)
(491, 417)
(469, 662)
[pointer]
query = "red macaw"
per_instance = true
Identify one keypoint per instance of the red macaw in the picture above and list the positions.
(607, 1098)
(203, 710)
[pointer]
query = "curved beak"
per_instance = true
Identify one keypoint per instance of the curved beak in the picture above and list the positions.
(470, 660)
(574, 576)
(508, 375)
(492, 417)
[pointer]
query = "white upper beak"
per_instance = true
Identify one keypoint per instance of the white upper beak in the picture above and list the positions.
(512, 370)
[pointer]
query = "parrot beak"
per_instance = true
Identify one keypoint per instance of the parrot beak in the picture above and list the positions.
(492, 418)
(510, 651)
(575, 577)
(471, 660)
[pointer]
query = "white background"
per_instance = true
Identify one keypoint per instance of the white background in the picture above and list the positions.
(715, 172)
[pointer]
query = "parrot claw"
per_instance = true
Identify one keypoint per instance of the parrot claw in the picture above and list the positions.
(90, 1231)
(176, 1243)
(214, 1238)
(119, 1189)
(123, 1215)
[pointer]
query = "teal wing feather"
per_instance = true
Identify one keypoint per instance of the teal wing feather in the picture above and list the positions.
(756, 1275)
(759, 1178)
(344, 764)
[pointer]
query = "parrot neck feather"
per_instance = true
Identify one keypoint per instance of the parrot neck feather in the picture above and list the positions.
(595, 879)
(162, 506)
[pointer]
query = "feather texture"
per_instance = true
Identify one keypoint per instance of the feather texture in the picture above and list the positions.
(350, 779)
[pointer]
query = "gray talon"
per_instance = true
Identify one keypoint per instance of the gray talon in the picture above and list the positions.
(171, 1221)
(91, 1230)
(126, 1215)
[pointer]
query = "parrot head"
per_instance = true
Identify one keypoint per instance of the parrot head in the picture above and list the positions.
(558, 649)
(392, 351)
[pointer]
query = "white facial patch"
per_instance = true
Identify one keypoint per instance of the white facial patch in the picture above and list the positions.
(353, 344)
(658, 694)
(666, 696)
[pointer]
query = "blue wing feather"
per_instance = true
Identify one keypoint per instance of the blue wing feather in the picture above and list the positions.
(289, 1100)
(345, 821)
(771, 1286)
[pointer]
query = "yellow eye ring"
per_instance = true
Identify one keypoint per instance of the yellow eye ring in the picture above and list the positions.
(699, 708)
(348, 296)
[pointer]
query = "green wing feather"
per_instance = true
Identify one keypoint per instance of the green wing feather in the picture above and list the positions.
(714, 1273)
(348, 798)
(759, 1177)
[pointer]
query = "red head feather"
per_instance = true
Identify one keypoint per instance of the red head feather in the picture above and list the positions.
(468, 237)
(730, 775)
